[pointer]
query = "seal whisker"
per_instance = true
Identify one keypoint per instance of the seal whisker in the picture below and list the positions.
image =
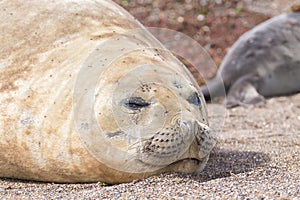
(142, 140)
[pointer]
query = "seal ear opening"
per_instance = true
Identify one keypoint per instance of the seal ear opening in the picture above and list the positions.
(194, 99)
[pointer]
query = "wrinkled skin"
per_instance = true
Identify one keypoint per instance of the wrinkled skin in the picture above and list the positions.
(82, 103)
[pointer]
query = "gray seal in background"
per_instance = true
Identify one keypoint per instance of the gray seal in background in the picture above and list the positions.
(264, 62)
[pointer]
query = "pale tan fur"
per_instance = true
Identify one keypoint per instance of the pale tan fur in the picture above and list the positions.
(45, 45)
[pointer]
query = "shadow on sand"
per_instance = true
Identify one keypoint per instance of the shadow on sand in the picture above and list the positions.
(221, 164)
(226, 163)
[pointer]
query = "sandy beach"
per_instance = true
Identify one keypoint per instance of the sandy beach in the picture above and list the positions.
(257, 157)
(258, 151)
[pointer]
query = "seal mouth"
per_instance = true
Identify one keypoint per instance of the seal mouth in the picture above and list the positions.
(194, 161)
(186, 165)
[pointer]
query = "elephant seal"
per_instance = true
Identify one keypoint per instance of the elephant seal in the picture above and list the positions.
(87, 94)
(264, 62)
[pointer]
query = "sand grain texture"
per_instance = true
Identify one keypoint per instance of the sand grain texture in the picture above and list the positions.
(258, 154)
(257, 157)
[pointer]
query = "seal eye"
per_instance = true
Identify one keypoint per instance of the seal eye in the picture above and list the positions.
(194, 99)
(135, 103)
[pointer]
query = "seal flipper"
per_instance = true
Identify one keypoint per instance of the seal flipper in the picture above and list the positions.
(214, 88)
(243, 92)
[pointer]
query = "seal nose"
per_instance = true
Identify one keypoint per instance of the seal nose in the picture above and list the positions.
(204, 138)
(187, 131)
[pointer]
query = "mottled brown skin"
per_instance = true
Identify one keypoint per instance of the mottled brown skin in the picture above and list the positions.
(44, 45)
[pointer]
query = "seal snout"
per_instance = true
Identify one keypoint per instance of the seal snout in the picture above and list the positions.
(163, 148)
(181, 142)
(204, 138)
